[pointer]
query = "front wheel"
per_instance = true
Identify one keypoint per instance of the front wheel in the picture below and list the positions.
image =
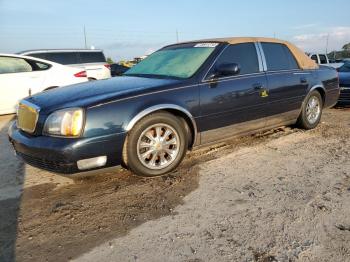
(156, 145)
(311, 111)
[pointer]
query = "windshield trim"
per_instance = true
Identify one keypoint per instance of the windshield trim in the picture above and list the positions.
(154, 76)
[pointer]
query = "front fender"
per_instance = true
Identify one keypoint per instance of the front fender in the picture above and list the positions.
(120, 116)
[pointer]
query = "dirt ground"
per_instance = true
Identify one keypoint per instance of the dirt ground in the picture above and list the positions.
(283, 195)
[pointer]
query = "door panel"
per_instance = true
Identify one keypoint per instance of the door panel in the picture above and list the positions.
(287, 91)
(287, 84)
(227, 103)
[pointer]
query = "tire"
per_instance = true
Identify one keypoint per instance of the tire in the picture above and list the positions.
(311, 113)
(156, 145)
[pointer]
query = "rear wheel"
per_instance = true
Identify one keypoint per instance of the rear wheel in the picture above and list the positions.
(311, 111)
(156, 145)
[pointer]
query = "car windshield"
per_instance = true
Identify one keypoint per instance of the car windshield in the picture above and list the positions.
(174, 62)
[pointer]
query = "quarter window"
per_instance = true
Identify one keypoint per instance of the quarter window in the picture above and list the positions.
(14, 65)
(242, 54)
(278, 57)
(41, 66)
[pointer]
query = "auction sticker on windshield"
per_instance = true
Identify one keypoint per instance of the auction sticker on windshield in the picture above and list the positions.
(206, 45)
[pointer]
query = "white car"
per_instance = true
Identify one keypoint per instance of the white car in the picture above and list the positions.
(22, 76)
(93, 61)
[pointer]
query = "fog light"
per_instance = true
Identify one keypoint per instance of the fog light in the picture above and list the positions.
(92, 162)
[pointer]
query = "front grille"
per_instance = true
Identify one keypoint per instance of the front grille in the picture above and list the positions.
(56, 166)
(344, 94)
(27, 116)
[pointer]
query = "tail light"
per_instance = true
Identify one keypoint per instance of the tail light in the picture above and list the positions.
(81, 74)
(108, 66)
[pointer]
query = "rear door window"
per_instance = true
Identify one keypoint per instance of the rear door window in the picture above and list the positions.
(92, 57)
(242, 54)
(278, 57)
(64, 58)
(14, 65)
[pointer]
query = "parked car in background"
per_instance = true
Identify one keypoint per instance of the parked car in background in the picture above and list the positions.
(118, 70)
(180, 97)
(22, 76)
(320, 59)
(344, 82)
(93, 61)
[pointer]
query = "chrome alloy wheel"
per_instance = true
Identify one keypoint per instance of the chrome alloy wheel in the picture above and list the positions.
(313, 110)
(158, 146)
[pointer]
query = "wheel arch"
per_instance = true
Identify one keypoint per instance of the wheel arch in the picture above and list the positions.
(173, 109)
(321, 90)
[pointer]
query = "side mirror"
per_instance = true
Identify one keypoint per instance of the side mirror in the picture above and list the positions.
(228, 69)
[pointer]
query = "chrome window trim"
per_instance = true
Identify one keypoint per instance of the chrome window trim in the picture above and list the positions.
(295, 71)
(263, 58)
(154, 108)
(227, 78)
(258, 53)
(302, 73)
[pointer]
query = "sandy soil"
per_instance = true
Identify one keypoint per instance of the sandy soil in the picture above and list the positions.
(279, 196)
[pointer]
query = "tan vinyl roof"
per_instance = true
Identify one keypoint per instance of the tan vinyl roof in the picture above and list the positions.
(303, 60)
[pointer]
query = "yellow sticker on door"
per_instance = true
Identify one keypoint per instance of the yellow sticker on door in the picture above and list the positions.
(264, 93)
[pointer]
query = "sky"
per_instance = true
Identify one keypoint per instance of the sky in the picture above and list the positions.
(131, 28)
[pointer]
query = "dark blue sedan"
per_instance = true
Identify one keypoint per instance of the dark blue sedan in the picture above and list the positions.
(181, 96)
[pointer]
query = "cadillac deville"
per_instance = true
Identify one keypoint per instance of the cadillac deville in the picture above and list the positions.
(180, 97)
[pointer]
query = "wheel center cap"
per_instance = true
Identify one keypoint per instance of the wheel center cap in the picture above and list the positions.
(158, 146)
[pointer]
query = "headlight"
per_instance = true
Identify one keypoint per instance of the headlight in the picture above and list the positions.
(66, 122)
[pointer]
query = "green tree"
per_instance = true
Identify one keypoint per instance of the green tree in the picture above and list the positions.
(110, 60)
(346, 47)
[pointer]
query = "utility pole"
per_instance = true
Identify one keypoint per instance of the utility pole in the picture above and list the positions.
(327, 44)
(85, 37)
(177, 36)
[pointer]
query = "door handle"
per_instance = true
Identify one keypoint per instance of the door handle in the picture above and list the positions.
(258, 86)
(303, 80)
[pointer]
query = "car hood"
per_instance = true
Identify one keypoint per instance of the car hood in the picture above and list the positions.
(344, 78)
(95, 92)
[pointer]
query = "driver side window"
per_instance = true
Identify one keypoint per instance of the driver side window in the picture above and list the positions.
(242, 54)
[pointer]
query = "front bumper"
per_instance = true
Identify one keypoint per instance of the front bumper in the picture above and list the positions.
(60, 155)
(344, 95)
